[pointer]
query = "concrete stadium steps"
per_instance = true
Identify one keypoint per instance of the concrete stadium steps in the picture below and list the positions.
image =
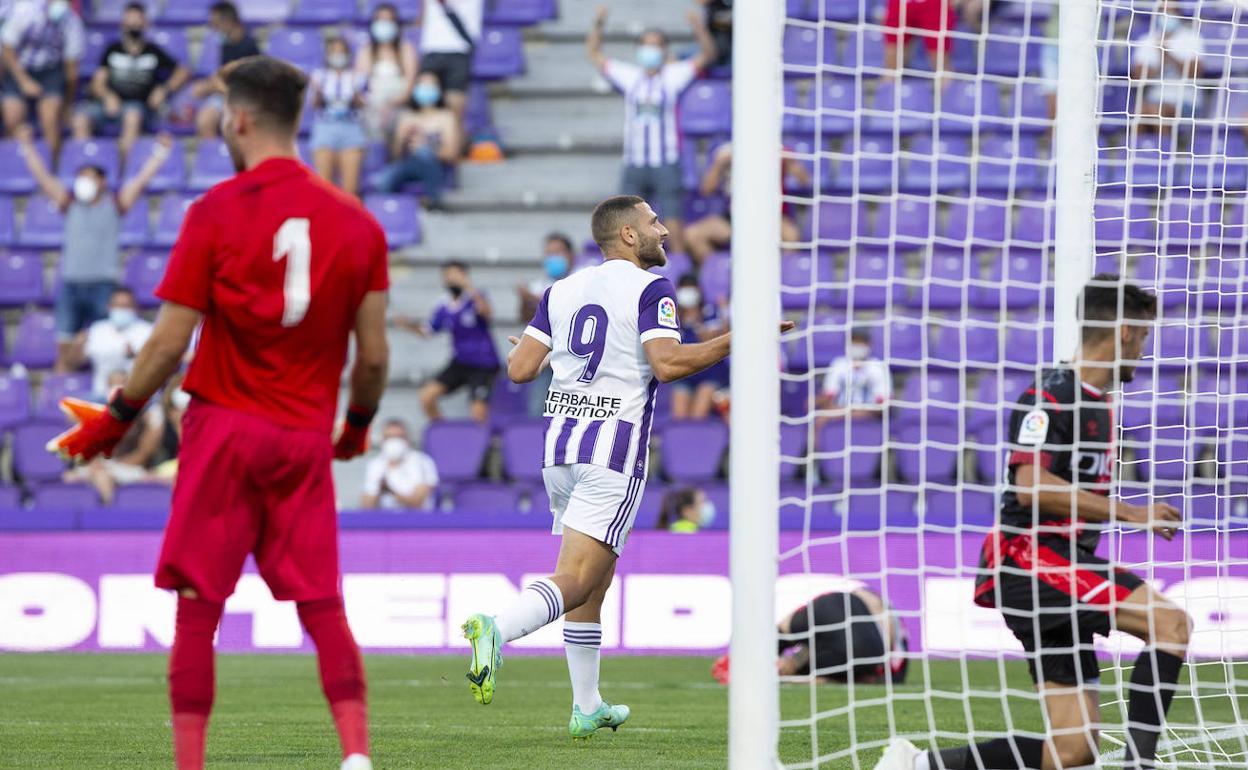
(547, 181)
(569, 123)
(497, 237)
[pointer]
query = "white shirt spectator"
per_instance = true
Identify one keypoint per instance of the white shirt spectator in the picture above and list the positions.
(111, 348)
(651, 130)
(1173, 51)
(853, 384)
(415, 469)
(40, 42)
(438, 34)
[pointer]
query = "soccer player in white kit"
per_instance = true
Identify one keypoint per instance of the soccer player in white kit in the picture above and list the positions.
(611, 333)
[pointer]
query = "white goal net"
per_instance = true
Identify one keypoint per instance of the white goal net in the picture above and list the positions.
(942, 232)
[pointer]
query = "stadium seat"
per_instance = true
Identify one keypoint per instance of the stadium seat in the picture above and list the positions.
(520, 12)
(14, 401)
(457, 447)
(14, 175)
(904, 107)
(136, 225)
(849, 452)
(863, 52)
(212, 164)
(17, 519)
(983, 221)
(301, 47)
(901, 341)
(499, 54)
(323, 12)
(839, 109)
(57, 386)
(716, 277)
(173, 40)
(144, 497)
(1005, 165)
(800, 48)
(509, 402)
(865, 166)
(870, 511)
(209, 60)
(966, 105)
(1031, 107)
(678, 264)
(994, 391)
(43, 226)
(801, 276)
(522, 445)
(32, 462)
(974, 341)
(948, 274)
(792, 449)
(169, 219)
(1026, 347)
(1169, 455)
(817, 345)
(706, 108)
(872, 273)
(926, 454)
(949, 158)
(906, 222)
(680, 464)
(399, 217)
(143, 273)
(34, 344)
(73, 498)
(10, 497)
(264, 11)
(77, 153)
(172, 173)
(928, 396)
(487, 497)
(21, 277)
(109, 12)
(837, 220)
(966, 509)
(97, 41)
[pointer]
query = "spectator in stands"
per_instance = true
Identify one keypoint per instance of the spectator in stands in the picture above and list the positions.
(1168, 62)
(400, 476)
(426, 143)
(173, 403)
(932, 20)
(236, 43)
(466, 314)
(685, 511)
(390, 65)
(652, 88)
(131, 462)
(856, 384)
(111, 343)
(693, 398)
(133, 83)
(714, 231)
(42, 43)
(91, 253)
(338, 134)
(719, 24)
(449, 31)
(557, 259)
(1048, 63)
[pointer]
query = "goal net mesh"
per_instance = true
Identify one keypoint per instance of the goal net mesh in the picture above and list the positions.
(923, 202)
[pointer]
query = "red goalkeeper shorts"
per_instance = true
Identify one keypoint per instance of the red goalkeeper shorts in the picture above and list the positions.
(930, 16)
(248, 486)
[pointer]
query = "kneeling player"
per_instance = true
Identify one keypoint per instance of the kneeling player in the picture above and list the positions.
(1039, 567)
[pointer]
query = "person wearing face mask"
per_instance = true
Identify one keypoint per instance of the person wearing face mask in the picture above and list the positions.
(111, 343)
(652, 87)
(235, 43)
(426, 142)
(90, 253)
(41, 45)
(1168, 62)
(856, 385)
(133, 82)
(338, 135)
(449, 31)
(693, 398)
(557, 258)
(400, 477)
(685, 511)
(390, 64)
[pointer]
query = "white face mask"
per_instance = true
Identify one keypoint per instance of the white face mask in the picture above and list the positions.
(57, 9)
(708, 514)
(338, 60)
(394, 448)
(384, 30)
(688, 297)
(85, 189)
(122, 317)
(180, 399)
(859, 351)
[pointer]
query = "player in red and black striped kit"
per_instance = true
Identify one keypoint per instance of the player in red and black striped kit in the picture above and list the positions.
(1039, 567)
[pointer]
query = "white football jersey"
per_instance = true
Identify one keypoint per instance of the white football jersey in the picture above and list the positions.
(600, 406)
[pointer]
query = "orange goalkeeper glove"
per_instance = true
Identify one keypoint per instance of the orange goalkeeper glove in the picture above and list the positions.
(100, 427)
(353, 436)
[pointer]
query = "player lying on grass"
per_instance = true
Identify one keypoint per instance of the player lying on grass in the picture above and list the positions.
(280, 268)
(1039, 566)
(611, 333)
(839, 636)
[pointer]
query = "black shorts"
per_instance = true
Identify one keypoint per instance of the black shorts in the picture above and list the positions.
(1054, 597)
(478, 379)
(453, 69)
(846, 640)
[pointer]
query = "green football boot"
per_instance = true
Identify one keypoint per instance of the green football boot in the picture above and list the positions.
(482, 634)
(581, 726)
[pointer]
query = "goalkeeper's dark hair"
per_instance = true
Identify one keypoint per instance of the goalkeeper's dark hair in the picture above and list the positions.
(1107, 301)
(271, 88)
(609, 216)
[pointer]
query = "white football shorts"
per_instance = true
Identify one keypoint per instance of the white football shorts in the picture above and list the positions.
(593, 500)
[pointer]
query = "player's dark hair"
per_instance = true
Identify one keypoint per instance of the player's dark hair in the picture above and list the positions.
(1102, 298)
(673, 503)
(271, 88)
(562, 238)
(455, 264)
(226, 10)
(140, 7)
(609, 216)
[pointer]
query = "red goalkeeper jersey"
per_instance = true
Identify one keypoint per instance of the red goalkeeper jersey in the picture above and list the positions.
(278, 262)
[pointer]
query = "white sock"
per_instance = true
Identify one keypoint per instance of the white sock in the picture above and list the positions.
(582, 642)
(538, 604)
(921, 762)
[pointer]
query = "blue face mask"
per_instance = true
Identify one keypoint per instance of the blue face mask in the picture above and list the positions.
(650, 57)
(122, 317)
(426, 95)
(708, 514)
(556, 266)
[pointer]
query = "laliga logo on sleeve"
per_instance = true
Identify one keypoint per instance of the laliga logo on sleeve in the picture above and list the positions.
(667, 313)
(1035, 428)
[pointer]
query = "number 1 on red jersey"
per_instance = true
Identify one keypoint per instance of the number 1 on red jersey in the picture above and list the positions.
(294, 242)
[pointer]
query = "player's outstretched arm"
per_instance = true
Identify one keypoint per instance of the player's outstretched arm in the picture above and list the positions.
(526, 360)
(1055, 495)
(670, 360)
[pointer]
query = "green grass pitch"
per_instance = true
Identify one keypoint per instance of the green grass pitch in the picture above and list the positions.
(110, 711)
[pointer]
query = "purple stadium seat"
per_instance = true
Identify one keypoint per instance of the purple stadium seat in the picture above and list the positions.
(931, 396)
(66, 497)
(499, 54)
(489, 497)
(965, 104)
(817, 345)
(97, 41)
(850, 450)
(1025, 345)
(409, 10)
(44, 225)
(1032, 107)
(509, 402)
(522, 446)
(950, 157)
(14, 401)
(172, 174)
(678, 264)
(1021, 273)
(1183, 222)
(1169, 455)
(847, 10)
(801, 47)
(301, 47)
(457, 447)
(144, 497)
(211, 165)
(837, 220)
(264, 11)
(1233, 458)
(862, 52)
(1006, 165)
(109, 12)
(873, 273)
(477, 113)
(21, 279)
(34, 345)
(801, 276)
(901, 341)
(792, 449)
(716, 277)
(706, 108)
(692, 450)
(209, 60)
(169, 219)
(926, 456)
(991, 394)
(322, 12)
(136, 225)
(984, 222)
(1117, 223)
(58, 386)
(32, 462)
(871, 510)
(143, 274)
(905, 107)
(520, 12)
(399, 217)
(16, 519)
(905, 222)
(975, 341)
(969, 509)
(173, 40)
(838, 110)
(14, 175)
(10, 497)
(863, 166)
(76, 153)
(946, 279)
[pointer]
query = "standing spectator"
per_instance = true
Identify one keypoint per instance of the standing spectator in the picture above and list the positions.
(338, 135)
(1167, 61)
(449, 31)
(400, 476)
(685, 511)
(236, 43)
(856, 385)
(719, 24)
(933, 19)
(652, 88)
(693, 398)
(91, 253)
(1048, 62)
(426, 142)
(557, 259)
(466, 314)
(111, 343)
(133, 83)
(42, 42)
(390, 64)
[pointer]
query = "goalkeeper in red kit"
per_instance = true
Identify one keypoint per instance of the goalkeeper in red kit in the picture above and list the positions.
(278, 269)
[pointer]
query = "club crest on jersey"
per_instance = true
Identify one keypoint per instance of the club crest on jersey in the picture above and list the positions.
(667, 313)
(1035, 428)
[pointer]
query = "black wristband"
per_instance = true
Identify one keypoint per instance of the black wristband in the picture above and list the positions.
(124, 410)
(359, 417)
